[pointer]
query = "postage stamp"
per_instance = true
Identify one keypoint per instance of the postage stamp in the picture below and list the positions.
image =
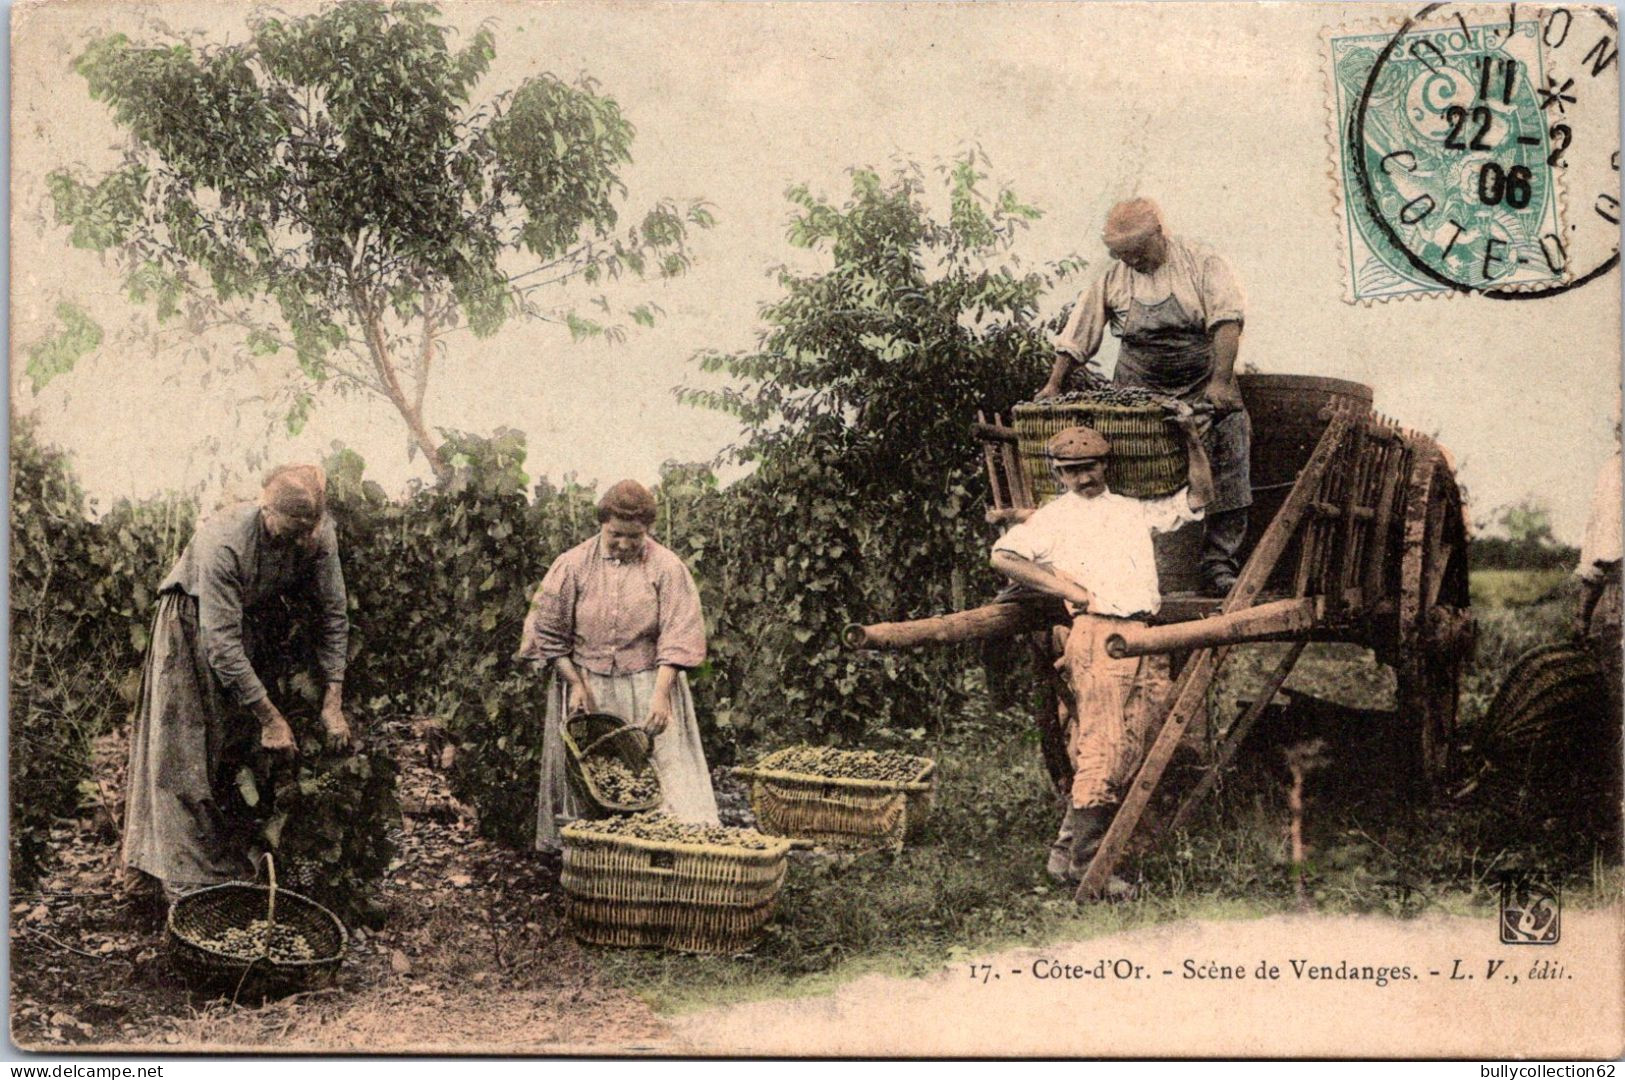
(1455, 151)
(1453, 169)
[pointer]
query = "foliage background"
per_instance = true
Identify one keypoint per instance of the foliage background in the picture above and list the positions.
(864, 504)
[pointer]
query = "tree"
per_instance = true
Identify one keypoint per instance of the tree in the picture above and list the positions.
(1528, 523)
(328, 188)
(856, 406)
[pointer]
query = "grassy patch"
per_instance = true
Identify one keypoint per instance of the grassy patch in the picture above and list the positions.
(1517, 588)
(975, 884)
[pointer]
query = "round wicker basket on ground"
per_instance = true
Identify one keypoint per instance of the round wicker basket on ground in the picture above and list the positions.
(1551, 726)
(199, 918)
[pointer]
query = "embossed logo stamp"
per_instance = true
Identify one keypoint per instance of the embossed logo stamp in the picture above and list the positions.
(1531, 912)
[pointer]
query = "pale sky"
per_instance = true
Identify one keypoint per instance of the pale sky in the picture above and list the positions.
(1217, 111)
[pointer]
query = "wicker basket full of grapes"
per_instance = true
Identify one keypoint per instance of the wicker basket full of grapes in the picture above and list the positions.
(608, 765)
(652, 880)
(842, 798)
(240, 935)
(1148, 458)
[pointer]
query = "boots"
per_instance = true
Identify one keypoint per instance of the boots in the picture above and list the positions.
(1060, 852)
(1088, 826)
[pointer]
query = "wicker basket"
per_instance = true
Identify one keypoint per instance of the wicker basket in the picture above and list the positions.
(593, 734)
(839, 812)
(207, 913)
(710, 898)
(1551, 723)
(1147, 461)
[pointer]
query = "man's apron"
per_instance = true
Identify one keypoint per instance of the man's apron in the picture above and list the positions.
(1167, 350)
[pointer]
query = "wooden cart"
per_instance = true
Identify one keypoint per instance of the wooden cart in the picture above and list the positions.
(1357, 534)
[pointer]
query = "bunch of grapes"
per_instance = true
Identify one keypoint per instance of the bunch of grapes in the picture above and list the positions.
(618, 782)
(1109, 394)
(847, 764)
(663, 828)
(282, 943)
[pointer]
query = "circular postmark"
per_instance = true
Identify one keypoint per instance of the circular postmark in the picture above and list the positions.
(1484, 148)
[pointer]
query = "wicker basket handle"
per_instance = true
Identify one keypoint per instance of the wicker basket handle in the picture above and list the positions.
(648, 740)
(270, 903)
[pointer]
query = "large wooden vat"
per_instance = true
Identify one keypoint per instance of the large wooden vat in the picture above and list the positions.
(1286, 411)
(1287, 423)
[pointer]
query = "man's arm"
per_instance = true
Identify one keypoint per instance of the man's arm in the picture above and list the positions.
(1027, 572)
(1222, 392)
(1057, 376)
(1080, 339)
(332, 652)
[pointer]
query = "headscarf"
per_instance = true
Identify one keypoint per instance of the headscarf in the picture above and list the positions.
(1131, 221)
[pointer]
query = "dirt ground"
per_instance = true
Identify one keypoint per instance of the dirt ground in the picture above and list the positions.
(476, 959)
(475, 955)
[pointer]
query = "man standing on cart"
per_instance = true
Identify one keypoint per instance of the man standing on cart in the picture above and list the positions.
(1091, 548)
(1177, 309)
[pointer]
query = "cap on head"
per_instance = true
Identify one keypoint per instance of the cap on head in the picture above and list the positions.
(629, 501)
(295, 491)
(1077, 444)
(1132, 221)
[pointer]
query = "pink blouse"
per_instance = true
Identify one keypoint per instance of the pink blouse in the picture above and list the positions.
(613, 617)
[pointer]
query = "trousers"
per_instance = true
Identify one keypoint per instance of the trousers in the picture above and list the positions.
(1117, 705)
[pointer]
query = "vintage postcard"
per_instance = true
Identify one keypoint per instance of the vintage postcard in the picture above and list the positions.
(815, 529)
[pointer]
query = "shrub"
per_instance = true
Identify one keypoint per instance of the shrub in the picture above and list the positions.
(81, 605)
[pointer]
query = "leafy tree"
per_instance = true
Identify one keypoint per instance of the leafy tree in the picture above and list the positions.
(1528, 522)
(856, 405)
(329, 188)
(1527, 541)
(75, 335)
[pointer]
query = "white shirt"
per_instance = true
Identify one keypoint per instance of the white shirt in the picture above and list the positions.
(1601, 545)
(1103, 544)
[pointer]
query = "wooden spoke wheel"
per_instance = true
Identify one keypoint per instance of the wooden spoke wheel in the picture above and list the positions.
(1054, 711)
(1435, 628)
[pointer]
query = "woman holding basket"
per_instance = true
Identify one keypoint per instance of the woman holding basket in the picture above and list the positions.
(618, 618)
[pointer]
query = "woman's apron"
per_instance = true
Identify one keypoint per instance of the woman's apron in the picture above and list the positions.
(1167, 350)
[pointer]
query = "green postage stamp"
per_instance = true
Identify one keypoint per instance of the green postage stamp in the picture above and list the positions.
(1462, 156)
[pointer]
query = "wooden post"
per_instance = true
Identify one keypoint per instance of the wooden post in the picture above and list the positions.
(1376, 563)
(997, 491)
(1053, 712)
(1237, 732)
(1261, 623)
(1004, 619)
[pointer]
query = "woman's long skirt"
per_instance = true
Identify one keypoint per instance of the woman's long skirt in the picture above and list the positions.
(679, 760)
(182, 735)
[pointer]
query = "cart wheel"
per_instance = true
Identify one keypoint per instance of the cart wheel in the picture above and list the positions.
(1053, 713)
(1435, 621)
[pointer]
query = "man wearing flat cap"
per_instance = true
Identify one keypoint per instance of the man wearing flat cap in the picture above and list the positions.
(1177, 308)
(1091, 548)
